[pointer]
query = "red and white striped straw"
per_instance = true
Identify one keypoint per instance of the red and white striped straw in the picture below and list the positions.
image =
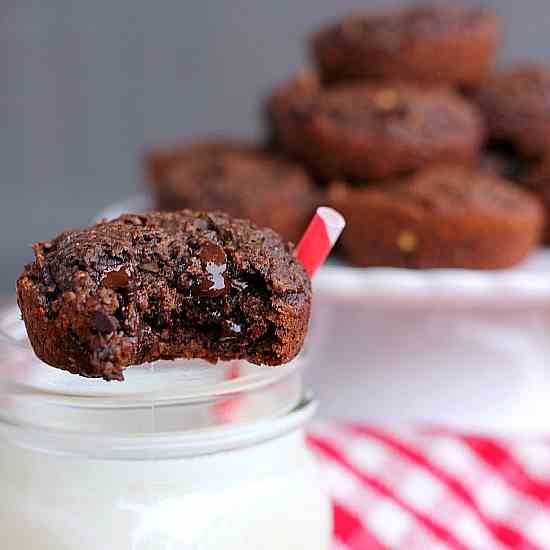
(319, 238)
(312, 250)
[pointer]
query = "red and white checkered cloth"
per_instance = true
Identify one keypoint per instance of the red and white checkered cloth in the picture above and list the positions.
(433, 489)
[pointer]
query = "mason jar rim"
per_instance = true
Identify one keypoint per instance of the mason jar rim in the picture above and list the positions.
(167, 410)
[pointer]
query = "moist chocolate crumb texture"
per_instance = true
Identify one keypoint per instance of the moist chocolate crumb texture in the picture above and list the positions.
(516, 105)
(164, 286)
(424, 43)
(370, 131)
(236, 178)
(443, 216)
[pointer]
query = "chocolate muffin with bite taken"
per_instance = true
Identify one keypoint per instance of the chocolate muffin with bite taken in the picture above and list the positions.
(163, 286)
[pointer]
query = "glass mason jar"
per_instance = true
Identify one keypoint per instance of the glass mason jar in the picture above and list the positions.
(182, 455)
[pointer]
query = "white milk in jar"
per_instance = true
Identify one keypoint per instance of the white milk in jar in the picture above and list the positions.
(180, 456)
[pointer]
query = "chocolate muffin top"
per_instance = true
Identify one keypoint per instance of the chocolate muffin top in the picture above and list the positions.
(391, 28)
(426, 42)
(452, 189)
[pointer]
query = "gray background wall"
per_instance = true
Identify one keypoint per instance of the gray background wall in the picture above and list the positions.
(86, 84)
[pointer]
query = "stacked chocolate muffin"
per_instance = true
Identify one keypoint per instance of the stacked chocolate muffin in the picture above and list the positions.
(394, 122)
(516, 105)
(435, 159)
(239, 178)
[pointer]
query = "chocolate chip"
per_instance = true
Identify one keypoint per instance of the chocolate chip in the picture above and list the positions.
(230, 330)
(212, 253)
(239, 284)
(212, 281)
